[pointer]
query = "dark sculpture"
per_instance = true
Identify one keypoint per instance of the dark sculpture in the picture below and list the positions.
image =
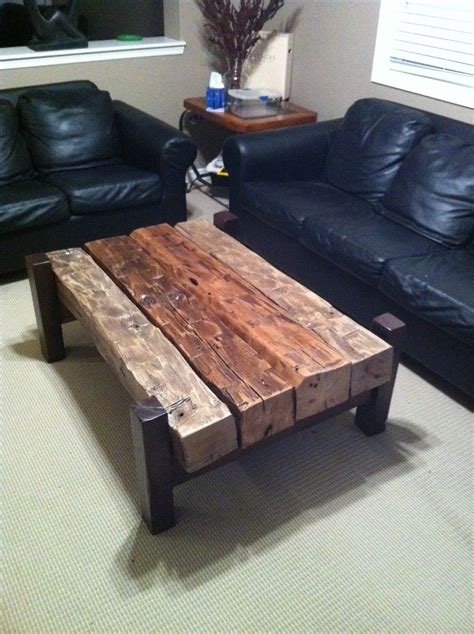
(57, 31)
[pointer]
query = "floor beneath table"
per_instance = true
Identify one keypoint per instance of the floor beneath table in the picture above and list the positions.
(326, 531)
(204, 201)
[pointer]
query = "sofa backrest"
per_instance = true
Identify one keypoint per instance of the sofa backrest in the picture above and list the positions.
(432, 192)
(369, 147)
(441, 123)
(452, 126)
(66, 125)
(13, 94)
(15, 160)
(67, 129)
(414, 166)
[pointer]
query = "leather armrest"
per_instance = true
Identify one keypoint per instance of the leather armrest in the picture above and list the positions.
(152, 144)
(295, 153)
(285, 154)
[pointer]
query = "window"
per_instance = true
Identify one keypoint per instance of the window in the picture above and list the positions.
(427, 47)
(98, 19)
(105, 19)
(101, 21)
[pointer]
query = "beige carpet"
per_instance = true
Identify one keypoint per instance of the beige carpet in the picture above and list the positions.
(326, 532)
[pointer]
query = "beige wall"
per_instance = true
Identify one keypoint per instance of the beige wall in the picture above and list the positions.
(332, 64)
(334, 45)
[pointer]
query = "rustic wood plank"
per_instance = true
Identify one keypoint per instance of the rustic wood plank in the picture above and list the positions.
(319, 374)
(261, 402)
(202, 428)
(370, 356)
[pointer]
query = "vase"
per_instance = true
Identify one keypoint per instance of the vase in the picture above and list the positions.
(233, 78)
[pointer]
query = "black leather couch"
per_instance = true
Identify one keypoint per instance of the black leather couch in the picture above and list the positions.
(375, 212)
(77, 166)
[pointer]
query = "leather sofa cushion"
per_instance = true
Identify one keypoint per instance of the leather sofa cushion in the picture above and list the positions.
(362, 242)
(436, 287)
(30, 203)
(285, 205)
(68, 128)
(433, 192)
(366, 152)
(107, 187)
(15, 161)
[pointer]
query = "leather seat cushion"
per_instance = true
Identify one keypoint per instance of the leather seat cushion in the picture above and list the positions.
(433, 192)
(107, 187)
(436, 287)
(30, 203)
(15, 160)
(368, 149)
(285, 205)
(69, 128)
(362, 242)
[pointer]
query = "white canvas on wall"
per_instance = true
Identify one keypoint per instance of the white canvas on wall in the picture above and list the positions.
(269, 64)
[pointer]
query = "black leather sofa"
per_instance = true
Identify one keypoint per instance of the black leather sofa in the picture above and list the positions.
(375, 212)
(77, 166)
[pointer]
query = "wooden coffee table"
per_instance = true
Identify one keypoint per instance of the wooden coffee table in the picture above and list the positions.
(220, 351)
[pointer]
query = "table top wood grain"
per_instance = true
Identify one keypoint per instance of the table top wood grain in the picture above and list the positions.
(235, 350)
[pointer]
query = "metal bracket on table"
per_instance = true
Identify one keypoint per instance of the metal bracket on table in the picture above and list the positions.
(193, 119)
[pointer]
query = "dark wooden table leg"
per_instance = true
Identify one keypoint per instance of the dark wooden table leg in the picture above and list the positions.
(225, 221)
(47, 306)
(371, 416)
(152, 446)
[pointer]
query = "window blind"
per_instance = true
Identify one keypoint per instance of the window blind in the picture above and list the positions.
(435, 39)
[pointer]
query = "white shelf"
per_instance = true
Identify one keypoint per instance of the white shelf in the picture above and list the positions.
(24, 57)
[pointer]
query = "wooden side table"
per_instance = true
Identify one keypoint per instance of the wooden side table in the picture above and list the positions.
(293, 115)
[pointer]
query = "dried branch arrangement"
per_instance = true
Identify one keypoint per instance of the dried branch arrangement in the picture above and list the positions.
(233, 29)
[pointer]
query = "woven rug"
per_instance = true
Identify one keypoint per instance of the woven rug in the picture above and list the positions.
(328, 531)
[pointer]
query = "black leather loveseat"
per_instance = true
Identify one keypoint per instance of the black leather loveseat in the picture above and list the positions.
(76, 166)
(375, 212)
